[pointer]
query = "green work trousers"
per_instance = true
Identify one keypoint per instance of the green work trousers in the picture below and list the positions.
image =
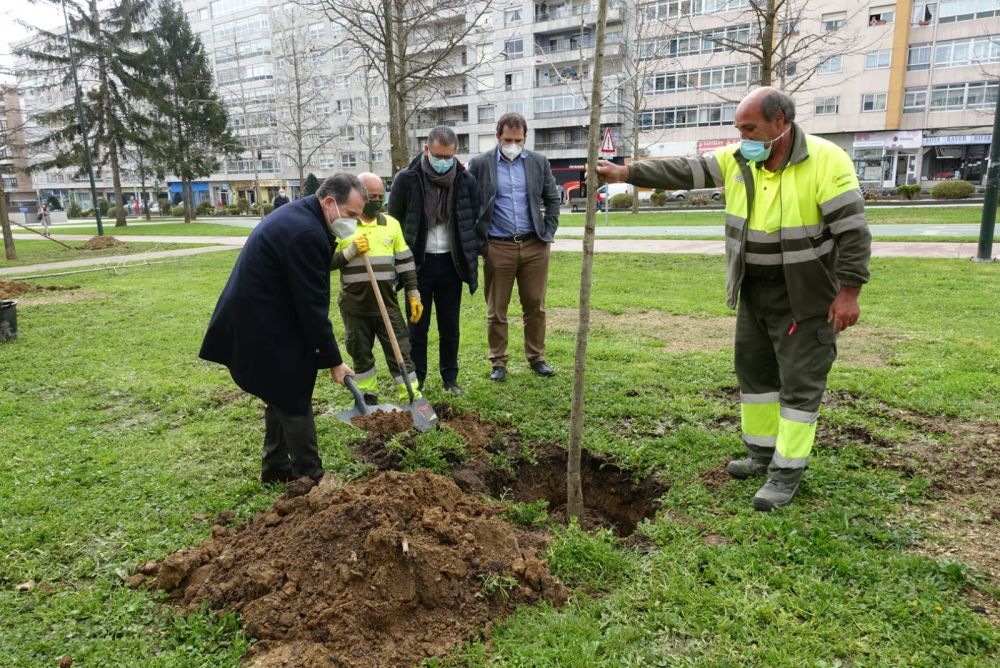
(782, 367)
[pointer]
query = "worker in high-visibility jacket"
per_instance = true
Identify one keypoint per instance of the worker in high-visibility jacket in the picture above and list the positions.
(797, 253)
(381, 237)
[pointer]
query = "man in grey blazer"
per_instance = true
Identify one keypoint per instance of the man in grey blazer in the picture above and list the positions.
(514, 186)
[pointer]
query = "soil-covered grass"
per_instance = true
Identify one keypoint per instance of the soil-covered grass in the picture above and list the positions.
(43, 250)
(119, 444)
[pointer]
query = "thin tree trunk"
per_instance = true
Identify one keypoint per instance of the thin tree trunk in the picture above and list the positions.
(574, 483)
(109, 119)
(8, 238)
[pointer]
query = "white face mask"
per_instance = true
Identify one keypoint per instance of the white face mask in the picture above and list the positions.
(511, 151)
(342, 227)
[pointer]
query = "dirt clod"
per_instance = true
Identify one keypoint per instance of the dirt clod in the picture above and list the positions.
(383, 424)
(383, 572)
(100, 243)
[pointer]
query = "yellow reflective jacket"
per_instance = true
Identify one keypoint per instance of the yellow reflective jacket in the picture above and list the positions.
(825, 241)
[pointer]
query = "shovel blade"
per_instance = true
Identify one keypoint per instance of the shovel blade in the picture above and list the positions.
(424, 417)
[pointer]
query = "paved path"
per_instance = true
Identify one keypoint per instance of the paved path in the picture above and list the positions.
(951, 230)
(879, 249)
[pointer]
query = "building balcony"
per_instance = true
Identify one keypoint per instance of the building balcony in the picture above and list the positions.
(568, 16)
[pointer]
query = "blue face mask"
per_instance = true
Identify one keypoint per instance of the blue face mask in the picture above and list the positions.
(758, 151)
(440, 165)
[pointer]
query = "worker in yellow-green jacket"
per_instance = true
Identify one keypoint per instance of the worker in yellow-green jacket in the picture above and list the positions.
(797, 253)
(381, 237)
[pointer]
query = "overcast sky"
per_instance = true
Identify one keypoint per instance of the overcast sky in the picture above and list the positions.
(46, 14)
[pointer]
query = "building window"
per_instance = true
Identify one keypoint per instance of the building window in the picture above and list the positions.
(833, 21)
(914, 100)
(342, 81)
(924, 13)
(704, 115)
(826, 106)
(832, 65)
(873, 101)
(956, 97)
(376, 156)
(878, 60)
(878, 16)
(349, 159)
(513, 48)
(512, 17)
(487, 114)
(513, 80)
(317, 30)
(918, 57)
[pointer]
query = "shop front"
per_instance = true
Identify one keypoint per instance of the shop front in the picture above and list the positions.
(199, 191)
(887, 159)
(956, 157)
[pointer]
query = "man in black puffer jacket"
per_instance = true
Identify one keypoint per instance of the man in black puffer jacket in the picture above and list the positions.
(437, 202)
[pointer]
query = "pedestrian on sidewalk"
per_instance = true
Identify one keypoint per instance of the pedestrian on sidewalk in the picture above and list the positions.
(280, 199)
(45, 218)
(797, 253)
(379, 236)
(519, 208)
(437, 202)
(271, 326)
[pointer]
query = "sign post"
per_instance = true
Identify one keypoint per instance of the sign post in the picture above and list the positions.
(607, 152)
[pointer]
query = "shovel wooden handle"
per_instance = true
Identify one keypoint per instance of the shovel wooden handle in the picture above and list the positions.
(388, 325)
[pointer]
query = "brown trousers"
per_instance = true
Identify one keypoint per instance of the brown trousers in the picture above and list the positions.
(527, 263)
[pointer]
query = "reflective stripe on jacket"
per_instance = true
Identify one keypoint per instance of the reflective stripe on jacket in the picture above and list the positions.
(390, 258)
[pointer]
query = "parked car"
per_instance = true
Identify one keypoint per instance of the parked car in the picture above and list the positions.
(714, 194)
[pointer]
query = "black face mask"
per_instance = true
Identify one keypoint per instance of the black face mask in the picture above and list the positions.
(371, 209)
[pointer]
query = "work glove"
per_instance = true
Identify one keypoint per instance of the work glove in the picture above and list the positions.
(357, 247)
(416, 307)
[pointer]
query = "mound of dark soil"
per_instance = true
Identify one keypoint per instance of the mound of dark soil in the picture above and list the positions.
(11, 289)
(386, 571)
(100, 243)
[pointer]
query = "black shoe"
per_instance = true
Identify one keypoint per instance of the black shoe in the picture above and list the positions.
(542, 369)
(420, 384)
(278, 476)
(370, 399)
(499, 374)
(453, 387)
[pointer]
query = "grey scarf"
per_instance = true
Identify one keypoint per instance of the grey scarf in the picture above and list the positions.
(437, 193)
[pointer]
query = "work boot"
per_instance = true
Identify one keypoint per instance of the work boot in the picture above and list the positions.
(774, 494)
(499, 374)
(451, 386)
(745, 468)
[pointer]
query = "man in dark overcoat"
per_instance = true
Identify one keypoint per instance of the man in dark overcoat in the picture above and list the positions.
(271, 326)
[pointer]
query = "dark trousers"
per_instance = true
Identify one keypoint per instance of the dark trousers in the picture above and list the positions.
(441, 288)
(290, 448)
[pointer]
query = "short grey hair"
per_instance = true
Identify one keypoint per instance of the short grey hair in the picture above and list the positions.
(339, 186)
(443, 135)
(775, 100)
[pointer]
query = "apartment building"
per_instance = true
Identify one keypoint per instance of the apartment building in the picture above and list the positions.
(18, 191)
(907, 88)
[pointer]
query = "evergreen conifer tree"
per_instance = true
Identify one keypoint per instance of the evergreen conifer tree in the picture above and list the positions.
(311, 185)
(107, 46)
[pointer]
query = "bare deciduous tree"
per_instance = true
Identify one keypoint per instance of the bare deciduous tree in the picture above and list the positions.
(302, 132)
(421, 45)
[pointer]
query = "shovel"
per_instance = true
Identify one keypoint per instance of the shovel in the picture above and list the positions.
(424, 417)
(360, 407)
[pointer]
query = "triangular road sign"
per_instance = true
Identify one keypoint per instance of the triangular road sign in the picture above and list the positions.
(608, 143)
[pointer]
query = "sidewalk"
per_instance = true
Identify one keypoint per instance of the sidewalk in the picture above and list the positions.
(942, 250)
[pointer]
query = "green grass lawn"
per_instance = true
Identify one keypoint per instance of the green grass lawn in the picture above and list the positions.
(936, 215)
(115, 436)
(177, 228)
(36, 252)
